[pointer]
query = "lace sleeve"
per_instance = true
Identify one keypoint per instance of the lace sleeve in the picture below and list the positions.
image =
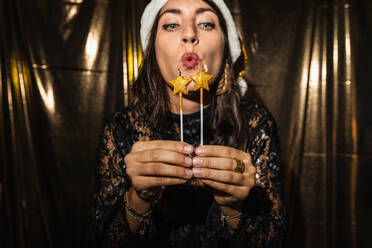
(107, 222)
(264, 218)
(108, 226)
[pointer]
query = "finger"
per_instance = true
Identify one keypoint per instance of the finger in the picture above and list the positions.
(223, 151)
(219, 176)
(149, 182)
(238, 191)
(164, 170)
(165, 156)
(170, 145)
(214, 163)
(221, 164)
(251, 170)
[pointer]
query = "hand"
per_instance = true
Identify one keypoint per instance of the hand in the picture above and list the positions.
(151, 165)
(215, 166)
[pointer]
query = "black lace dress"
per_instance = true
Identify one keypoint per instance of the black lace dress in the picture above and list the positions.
(187, 216)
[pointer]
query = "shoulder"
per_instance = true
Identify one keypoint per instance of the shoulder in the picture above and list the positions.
(262, 128)
(257, 115)
(121, 119)
(119, 128)
(127, 126)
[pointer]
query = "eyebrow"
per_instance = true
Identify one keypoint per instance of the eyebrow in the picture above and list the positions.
(178, 11)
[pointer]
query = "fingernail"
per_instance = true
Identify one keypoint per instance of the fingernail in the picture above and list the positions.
(196, 172)
(188, 173)
(199, 150)
(188, 160)
(188, 148)
(197, 161)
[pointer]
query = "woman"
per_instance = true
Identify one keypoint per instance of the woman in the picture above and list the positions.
(151, 189)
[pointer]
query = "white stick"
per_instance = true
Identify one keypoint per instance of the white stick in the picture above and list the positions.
(201, 124)
(181, 124)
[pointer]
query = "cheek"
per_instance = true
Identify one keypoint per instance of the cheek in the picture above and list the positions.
(216, 50)
(165, 56)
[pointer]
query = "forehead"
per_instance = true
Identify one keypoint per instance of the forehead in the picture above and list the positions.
(185, 6)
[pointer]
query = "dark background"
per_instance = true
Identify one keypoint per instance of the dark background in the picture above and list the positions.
(65, 66)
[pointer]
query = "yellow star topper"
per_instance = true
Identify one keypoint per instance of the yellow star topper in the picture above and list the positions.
(201, 80)
(180, 85)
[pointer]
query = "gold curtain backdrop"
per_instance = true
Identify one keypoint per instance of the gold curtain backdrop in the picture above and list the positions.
(66, 66)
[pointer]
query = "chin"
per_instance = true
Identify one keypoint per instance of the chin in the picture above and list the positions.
(190, 86)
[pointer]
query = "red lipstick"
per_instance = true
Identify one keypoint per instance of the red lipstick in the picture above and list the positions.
(190, 60)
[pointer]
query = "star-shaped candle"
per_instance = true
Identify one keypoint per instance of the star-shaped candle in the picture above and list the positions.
(180, 87)
(201, 80)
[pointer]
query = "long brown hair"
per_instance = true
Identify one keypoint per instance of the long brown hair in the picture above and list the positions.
(151, 99)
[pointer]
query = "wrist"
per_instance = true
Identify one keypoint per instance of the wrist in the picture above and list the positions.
(150, 196)
(232, 209)
(137, 203)
(231, 215)
(138, 219)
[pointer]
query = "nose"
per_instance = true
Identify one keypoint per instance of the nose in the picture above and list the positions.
(190, 36)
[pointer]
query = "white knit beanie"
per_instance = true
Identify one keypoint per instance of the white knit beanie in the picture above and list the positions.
(152, 9)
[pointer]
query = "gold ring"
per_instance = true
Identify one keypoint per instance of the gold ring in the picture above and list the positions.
(240, 166)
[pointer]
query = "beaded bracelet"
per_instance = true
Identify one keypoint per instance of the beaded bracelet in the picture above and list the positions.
(144, 220)
(225, 217)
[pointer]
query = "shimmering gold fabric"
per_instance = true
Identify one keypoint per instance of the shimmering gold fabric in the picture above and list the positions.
(65, 66)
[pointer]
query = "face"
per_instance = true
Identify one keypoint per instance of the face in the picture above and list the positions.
(188, 37)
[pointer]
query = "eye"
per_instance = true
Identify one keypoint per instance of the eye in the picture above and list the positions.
(170, 27)
(207, 25)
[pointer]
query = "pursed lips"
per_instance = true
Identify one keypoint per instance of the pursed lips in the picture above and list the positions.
(190, 60)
